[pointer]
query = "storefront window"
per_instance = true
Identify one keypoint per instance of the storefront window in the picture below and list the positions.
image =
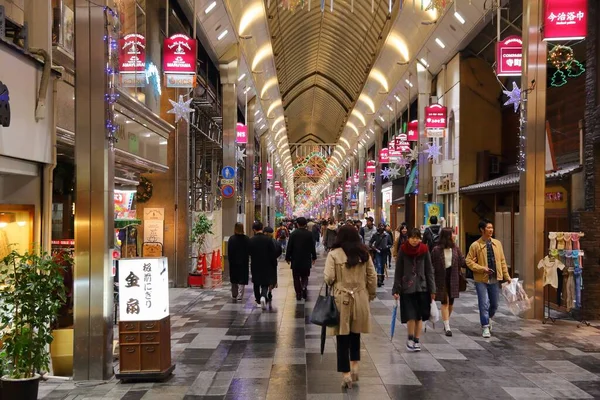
(136, 138)
(16, 228)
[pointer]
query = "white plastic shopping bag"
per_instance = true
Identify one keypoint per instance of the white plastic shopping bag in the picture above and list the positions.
(434, 313)
(516, 297)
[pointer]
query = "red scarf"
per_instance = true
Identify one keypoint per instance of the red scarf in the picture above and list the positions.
(413, 251)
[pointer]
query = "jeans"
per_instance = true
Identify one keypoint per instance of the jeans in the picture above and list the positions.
(487, 295)
(347, 345)
(260, 291)
(300, 283)
(379, 262)
(578, 284)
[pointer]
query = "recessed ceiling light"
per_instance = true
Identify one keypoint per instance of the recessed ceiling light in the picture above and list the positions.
(259, 120)
(390, 108)
(409, 84)
(459, 17)
(247, 89)
(440, 43)
(210, 7)
(424, 62)
(147, 134)
(257, 112)
(381, 118)
(222, 34)
(398, 99)
(242, 76)
(262, 126)
(127, 121)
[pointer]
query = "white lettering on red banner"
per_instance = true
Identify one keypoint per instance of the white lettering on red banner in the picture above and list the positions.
(436, 116)
(384, 156)
(509, 55)
(565, 19)
(132, 57)
(241, 134)
(413, 131)
(179, 55)
(370, 169)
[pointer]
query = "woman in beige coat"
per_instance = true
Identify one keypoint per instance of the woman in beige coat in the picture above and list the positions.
(350, 271)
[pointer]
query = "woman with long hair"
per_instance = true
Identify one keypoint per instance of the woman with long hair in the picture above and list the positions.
(400, 236)
(447, 263)
(414, 285)
(350, 272)
(330, 234)
(239, 261)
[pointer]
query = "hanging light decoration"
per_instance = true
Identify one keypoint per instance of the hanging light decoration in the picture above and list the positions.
(560, 56)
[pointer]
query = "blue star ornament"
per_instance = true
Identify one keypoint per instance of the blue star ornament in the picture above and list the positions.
(181, 109)
(433, 150)
(385, 173)
(514, 96)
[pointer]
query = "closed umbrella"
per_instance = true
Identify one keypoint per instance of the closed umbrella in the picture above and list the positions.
(324, 329)
(394, 314)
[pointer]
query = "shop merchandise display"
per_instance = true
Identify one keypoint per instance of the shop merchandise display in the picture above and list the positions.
(564, 260)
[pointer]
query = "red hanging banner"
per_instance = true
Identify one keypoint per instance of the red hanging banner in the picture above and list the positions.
(179, 55)
(241, 134)
(384, 156)
(402, 144)
(565, 19)
(413, 131)
(132, 54)
(370, 168)
(509, 54)
(436, 116)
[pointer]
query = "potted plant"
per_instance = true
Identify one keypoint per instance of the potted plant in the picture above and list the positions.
(201, 228)
(30, 299)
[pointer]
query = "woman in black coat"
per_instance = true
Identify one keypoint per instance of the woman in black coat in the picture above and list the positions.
(238, 251)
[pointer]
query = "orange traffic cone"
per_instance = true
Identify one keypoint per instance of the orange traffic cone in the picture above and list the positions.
(203, 267)
(219, 259)
(213, 261)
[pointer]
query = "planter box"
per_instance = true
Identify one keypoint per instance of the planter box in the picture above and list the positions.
(196, 280)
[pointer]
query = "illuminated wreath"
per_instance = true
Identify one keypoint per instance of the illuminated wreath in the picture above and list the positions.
(144, 190)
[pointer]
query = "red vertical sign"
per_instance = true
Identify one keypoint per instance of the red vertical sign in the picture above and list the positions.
(565, 19)
(413, 131)
(132, 53)
(509, 55)
(179, 55)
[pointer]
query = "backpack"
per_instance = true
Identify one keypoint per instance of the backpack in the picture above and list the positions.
(281, 234)
(435, 238)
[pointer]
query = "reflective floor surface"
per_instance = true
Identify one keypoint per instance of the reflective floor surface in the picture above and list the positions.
(226, 350)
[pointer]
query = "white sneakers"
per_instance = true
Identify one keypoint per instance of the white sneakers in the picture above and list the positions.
(263, 303)
(412, 346)
(486, 332)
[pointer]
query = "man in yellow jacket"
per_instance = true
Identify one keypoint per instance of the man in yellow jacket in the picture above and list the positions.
(486, 260)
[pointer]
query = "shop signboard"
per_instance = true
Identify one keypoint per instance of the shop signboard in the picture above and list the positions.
(241, 134)
(402, 143)
(132, 54)
(153, 231)
(179, 55)
(370, 168)
(435, 133)
(565, 19)
(143, 289)
(412, 131)
(509, 55)
(384, 156)
(269, 170)
(277, 185)
(132, 79)
(180, 80)
(436, 116)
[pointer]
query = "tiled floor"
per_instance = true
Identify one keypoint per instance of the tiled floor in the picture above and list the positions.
(226, 350)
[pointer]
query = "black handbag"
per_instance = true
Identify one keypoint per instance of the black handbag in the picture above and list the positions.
(325, 312)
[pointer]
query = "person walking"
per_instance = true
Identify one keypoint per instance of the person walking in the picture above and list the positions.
(278, 251)
(431, 237)
(368, 231)
(238, 249)
(330, 234)
(399, 239)
(380, 245)
(447, 262)
(282, 235)
(486, 260)
(301, 253)
(316, 232)
(349, 270)
(414, 285)
(262, 254)
(388, 252)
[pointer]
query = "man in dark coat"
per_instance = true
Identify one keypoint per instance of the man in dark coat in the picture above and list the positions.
(301, 253)
(262, 254)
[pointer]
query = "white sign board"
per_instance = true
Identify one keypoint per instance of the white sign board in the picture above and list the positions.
(154, 213)
(143, 289)
(153, 231)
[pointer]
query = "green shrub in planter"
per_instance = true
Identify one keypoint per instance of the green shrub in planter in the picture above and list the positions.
(30, 300)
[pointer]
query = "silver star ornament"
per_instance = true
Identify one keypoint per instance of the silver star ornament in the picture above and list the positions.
(514, 96)
(181, 109)
(414, 154)
(395, 172)
(385, 173)
(433, 150)
(371, 180)
(240, 154)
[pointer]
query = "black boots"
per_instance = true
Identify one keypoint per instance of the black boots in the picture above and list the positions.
(380, 280)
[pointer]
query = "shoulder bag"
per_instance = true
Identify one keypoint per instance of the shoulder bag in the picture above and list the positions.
(325, 312)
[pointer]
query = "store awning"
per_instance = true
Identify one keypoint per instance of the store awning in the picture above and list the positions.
(511, 181)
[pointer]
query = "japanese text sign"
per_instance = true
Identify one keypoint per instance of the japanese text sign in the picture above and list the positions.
(509, 55)
(413, 131)
(436, 116)
(370, 168)
(132, 53)
(565, 19)
(241, 134)
(143, 289)
(384, 156)
(402, 143)
(179, 55)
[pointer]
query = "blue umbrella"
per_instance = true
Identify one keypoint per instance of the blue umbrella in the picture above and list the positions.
(394, 314)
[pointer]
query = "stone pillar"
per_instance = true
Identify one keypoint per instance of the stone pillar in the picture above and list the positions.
(361, 180)
(377, 196)
(229, 74)
(263, 178)
(533, 179)
(271, 194)
(425, 179)
(94, 221)
(249, 181)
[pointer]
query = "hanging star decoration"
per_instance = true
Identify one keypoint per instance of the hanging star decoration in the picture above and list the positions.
(433, 150)
(514, 96)
(385, 173)
(240, 154)
(371, 180)
(181, 109)
(129, 175)
(402, 161)
(414, 154)
(395, 171)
